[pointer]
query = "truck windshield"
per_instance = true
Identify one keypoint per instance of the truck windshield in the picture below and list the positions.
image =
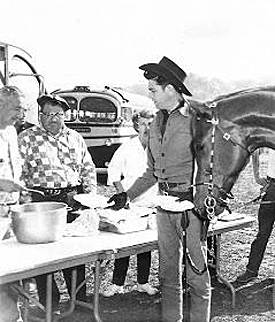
(97, 110)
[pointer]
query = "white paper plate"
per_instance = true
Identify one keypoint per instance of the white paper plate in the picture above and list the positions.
(92, 200)
(169, 203)
(226, 216)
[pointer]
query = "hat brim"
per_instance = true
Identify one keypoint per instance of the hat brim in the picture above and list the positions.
(162, 71)
(42, 100)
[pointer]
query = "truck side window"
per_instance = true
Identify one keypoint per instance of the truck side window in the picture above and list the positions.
(71, 114)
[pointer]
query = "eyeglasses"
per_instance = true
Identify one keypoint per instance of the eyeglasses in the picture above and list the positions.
(52, 115)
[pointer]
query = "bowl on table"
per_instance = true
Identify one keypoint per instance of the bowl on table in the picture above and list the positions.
(39, 222)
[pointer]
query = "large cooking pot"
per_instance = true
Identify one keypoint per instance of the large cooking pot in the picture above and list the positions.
(39, 222)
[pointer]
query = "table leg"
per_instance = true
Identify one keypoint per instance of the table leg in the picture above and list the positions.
(273, 294)
(222, 279)
(96, 291)
(49, 298)
(74, 301)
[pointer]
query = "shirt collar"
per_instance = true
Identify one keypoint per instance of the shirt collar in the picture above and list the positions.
(182, 107)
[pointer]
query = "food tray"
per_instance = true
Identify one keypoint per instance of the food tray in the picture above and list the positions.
(124, 220)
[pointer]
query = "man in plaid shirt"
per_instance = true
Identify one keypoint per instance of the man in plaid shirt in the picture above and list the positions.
(57, 162)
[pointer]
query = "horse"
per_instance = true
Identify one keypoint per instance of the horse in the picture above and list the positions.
(225, 132)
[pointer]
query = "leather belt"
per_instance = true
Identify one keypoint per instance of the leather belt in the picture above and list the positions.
(168, 188)
(57, 191)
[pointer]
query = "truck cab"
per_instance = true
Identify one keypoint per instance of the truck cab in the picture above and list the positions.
(103, 116)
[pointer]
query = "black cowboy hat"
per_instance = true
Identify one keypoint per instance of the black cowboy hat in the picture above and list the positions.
(54, 99)
(168, 69)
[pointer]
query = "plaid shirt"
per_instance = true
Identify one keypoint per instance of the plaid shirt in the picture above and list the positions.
(56, 161)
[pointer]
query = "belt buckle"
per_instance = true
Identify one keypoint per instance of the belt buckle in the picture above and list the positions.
(167, 187)
(54, 192)
(164, 187)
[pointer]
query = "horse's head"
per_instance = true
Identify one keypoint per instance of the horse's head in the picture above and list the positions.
(225, 132)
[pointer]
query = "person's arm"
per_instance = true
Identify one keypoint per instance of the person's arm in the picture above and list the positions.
(10, 186)
(115, 168)
(88, 169)
(141, 185)
(144, 182)
(256, 168)
(119, 187)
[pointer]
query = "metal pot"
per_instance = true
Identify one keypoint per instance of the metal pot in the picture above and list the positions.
(39, 222)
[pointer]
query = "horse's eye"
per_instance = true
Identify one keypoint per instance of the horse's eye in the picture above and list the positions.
(198, 147)
(207, 172)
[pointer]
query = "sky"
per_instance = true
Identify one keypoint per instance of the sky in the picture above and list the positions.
(103, 42)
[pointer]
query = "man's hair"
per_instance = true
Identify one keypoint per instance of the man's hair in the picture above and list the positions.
(147, 114)
(9, 90)
(161, 80)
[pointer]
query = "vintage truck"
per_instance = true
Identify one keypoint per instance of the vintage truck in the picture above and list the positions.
(101, 115)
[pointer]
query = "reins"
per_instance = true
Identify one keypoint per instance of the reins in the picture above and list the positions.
(258, 200)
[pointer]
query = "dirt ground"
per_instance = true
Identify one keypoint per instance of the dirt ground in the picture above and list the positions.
(253, 301)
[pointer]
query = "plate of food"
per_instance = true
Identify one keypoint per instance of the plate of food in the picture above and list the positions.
(92, 200)
(172, 204)
(86, 224)
(124, 220)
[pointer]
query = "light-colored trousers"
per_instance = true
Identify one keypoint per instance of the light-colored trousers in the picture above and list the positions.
(171, 268)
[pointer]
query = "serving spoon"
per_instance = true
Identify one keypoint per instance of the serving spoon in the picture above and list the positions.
(34, 190)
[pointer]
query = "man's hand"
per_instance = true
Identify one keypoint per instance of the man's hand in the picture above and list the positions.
(10, 186)
(263, 181)
(120, 200)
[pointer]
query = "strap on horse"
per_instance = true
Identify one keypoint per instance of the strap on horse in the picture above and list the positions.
(259, 198)
(187, 258)
(184, 225)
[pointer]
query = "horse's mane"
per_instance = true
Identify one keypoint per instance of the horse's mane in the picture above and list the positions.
(270, 88)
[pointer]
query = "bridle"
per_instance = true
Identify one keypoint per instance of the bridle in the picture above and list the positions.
(210, 202)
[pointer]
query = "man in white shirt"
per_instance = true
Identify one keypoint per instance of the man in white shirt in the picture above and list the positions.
(128, 163)
(12, 102)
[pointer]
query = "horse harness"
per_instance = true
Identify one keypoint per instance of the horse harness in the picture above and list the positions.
(210, 201)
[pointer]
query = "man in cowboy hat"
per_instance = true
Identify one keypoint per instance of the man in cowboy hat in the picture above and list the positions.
(171, 164)
(56, 161)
